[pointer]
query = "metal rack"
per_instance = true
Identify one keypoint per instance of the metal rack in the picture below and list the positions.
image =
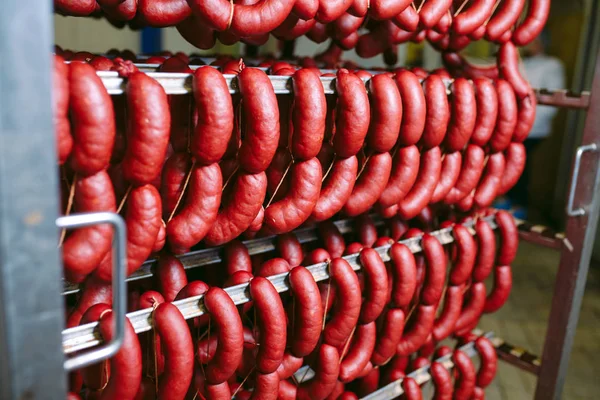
(31, 308)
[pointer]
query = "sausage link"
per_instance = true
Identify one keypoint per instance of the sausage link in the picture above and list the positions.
(515, 156)
(60, 103)
(386, 113)
(472, 307)
(433, 11)
(473, 17)
(336, 189)
(446, 323)
(359, 353)
(215, 116)
(169, 276)
(464, 115)
(404, 271)
(239, 211)
(341, 324)
(225, 317)
(451, 166)
(389, 336)
(442, 381)
(438, 112)
(470, 173)
(85, 248)
(332, 238)
(509, 237)
(326, 374)
(416, 332)
(413, 105)
(490, 183)
(93, 120)
(465, 382)
(266, 386)
(486, 251)
(502, 287)
(420, 194)
(503, 19)
(489, 362)
(308, 115)
(405, 168)
(486, 99)
(352, 114)
(465, 260)
(435, 260)
(308, 317)
(525, 117)
(236, 257)
(412, 390)
(370, 185)
(173, 177)
(537, 15)
(290, 249)
(508, 65)
(261, 120)
(376, 288)
(269, 308)
(507, 116)
(176, 342)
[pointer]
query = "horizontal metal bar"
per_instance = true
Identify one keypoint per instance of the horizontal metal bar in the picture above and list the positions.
(517, 356)
(204, 257)
(540, 234)
(85, 336)
(181, 83)
(422, 375)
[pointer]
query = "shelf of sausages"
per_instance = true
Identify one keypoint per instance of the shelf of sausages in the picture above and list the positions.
(533, 233)
(372, 27)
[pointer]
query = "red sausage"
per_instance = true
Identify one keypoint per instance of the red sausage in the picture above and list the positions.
(370, 185)
(237, 214)
(359, 353)
(537, 15)
(438, 112)
(85, 248)
(331, 10)
(412, 390)
(415, 334)
(473, 306)
(509, 237)
(473, 17)
(489, 362)
(448, 176)
(507, 116)
(274, 266)
(261, 120)
(435, 259)
(162, 13)
(376, 288)
(389, 336)
(93, 120)
(486, 251)
(170, 276)
(225, 316)
(502, 286)
(405, 168)
(336, 189)
(143, 221)
(508, 64)
(93, 291)
(343, 321)
(332, 238)
(60, 103)
(178, 349)
(215, 116)
(465, 383)
(471, 170)
(269, 309)
(465, 260)
(236, 257)
(367, 231)
(126, 365)
(464, 114)
(149, 125)
(525, 117)
(326, 374)
(266, 386)
(306, 328)
(491, 181)
(308, 115)
(200, 210)
(420, 194)
(293, 210)
(290, 249)
(486, 99)
(413, 106)
(515, 156)
(432, 11)
(289, 366)
(504, 18)
(387, 9)
(352, 114)
(173, 178)
(386, 113)
(442, 381)
(446, 323)
(404, 270)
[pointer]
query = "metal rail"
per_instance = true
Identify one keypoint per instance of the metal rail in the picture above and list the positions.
(85, 336)
(181, 83)
(517, 356)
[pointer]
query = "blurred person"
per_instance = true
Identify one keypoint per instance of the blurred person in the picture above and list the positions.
(542, 71)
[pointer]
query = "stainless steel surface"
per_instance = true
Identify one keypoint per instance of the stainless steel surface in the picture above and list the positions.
(119, 293)
(575, 259)
(212, 255)
(421, 375)
(581, 150)
(31, 308)
(85, 336)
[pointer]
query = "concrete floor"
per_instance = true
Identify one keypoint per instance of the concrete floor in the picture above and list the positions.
(522, 322)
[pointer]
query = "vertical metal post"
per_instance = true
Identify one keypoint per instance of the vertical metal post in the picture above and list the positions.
(31, 307)
(575, 259)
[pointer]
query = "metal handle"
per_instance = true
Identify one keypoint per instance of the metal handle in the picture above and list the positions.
(118, 284)
(580, 150)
